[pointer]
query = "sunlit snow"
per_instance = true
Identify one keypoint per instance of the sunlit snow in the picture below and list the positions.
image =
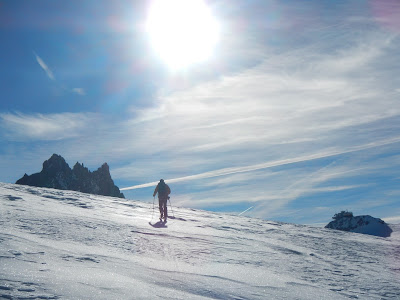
(68, 245)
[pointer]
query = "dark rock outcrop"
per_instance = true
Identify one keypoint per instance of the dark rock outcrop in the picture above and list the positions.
(345, 221)
(57, 174)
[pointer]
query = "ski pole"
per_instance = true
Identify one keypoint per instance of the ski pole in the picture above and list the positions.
(152, 215)
(171, 207)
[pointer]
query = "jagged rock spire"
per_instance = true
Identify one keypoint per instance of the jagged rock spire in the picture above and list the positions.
(57, 174)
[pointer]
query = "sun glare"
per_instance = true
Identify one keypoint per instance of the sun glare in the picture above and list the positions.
(182, 32)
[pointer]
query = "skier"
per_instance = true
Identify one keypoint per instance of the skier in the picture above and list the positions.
(163, 191)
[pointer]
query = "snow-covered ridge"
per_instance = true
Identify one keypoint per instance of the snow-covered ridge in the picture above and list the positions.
(57, 244)
(360, 224)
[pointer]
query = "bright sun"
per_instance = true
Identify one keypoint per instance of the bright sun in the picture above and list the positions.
(182, 32)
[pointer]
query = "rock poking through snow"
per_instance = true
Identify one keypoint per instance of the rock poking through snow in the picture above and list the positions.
(345, 221)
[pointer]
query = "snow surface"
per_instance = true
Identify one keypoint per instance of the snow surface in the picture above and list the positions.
(68, 245)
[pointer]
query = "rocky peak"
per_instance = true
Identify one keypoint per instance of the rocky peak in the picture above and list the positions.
(55, 164)
(57, 174)
(103, 172)
(79, 169)
(78, 166)
(105, 167)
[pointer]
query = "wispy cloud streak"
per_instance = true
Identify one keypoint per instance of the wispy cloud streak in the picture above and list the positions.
(46, 127)
(77, 90)
(234, 170)
(44, 66)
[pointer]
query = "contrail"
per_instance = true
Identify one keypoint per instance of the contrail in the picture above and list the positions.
(266, 165)
(245, 210)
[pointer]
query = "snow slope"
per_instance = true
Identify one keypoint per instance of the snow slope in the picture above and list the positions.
(68, 245)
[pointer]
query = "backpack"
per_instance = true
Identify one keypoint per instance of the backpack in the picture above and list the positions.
(162, 190)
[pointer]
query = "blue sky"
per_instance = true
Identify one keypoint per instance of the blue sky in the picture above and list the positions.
(296, 113)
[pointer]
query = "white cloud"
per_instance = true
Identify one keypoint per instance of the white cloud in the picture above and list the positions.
(392, 220)
(229, 137)
(79, 91)
(275, 102)
(46, 127)
(44, 66)
(270, 164)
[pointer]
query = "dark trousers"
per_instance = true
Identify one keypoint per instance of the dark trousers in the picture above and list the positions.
(162, 202)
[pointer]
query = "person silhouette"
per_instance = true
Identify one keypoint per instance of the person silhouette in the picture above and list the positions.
(163, 191)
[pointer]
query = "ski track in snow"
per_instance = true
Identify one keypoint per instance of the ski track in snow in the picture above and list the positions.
(68, 245)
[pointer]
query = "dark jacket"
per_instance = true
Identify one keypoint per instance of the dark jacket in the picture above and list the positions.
(165, 194)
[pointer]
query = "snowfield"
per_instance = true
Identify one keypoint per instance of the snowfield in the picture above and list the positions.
(68, 245)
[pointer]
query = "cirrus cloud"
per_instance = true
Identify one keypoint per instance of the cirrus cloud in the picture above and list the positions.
(46, 127)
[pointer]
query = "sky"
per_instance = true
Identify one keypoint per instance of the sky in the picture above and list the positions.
(280, 110)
